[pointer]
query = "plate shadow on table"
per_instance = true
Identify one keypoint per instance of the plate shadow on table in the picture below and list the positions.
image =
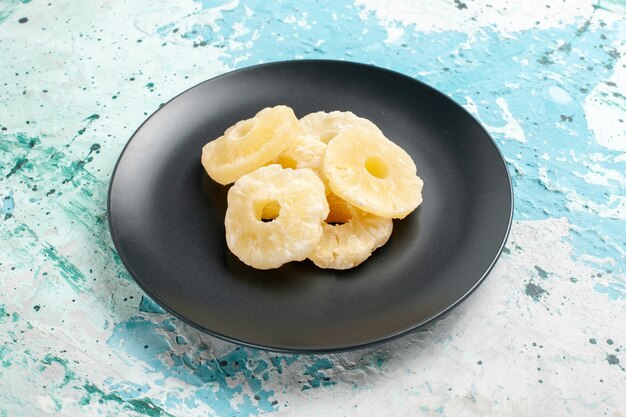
(360, 367)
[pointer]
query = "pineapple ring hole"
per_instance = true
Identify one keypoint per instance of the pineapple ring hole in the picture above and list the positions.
(327, 136)
(339, 214)
(243, 129)
(267, 211)
(376, 167)
(287, 162)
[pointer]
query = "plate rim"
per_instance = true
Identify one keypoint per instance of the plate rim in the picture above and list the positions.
(294, 350)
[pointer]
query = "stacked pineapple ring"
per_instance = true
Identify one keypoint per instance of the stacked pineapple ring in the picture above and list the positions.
(325, 187)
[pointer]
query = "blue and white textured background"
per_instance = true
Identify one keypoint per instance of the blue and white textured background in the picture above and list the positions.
(544, 335)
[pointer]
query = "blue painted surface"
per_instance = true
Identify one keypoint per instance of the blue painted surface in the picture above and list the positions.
(79, 337)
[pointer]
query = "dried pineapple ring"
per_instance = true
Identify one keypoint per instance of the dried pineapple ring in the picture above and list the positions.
(353, 237)
(250, 144)
(326, 126)
(298, 198)
(372, 173)
(306, 151)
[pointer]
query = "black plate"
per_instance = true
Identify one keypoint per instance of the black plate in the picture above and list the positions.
(167, 218)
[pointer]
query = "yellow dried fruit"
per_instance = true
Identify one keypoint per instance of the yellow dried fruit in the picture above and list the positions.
(275, 216)
(305, 151)
(349, 236)
(325, 126)
(325, 187)
(250, 144)
(372, 173)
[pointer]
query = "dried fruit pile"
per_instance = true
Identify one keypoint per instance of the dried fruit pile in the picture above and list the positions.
(325, 187)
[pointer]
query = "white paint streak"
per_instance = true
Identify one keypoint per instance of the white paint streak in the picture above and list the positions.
(613, 208)
(511, 129)
(599, 175)
(506, 16)
(595, 260)
(394, 33)
(605, 106)
(559, 95)
(470, 106)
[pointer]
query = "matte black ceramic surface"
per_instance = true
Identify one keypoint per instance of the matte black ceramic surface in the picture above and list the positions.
(167, 217)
